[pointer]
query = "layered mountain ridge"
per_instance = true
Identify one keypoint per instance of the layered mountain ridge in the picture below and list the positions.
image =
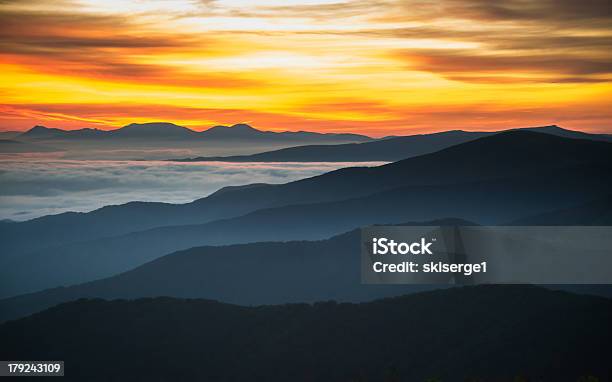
(491, 180)
(389, 149)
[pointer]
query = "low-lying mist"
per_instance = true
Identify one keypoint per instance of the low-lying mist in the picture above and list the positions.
(36, 185)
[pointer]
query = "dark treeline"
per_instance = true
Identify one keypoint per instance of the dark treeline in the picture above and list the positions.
(472, 333)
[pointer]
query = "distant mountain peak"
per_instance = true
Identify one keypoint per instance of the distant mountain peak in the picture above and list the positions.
(549, 127)
(237, 130)
(566, 133)
(237, 126)
(40, 130)
(243, 126)
(153, 128)
(153, 125)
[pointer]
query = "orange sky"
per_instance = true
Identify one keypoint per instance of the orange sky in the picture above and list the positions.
(377, 67)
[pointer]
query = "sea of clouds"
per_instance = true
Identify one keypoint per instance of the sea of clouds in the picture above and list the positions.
(33, 186)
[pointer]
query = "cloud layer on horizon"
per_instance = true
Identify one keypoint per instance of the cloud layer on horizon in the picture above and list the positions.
(32, 187)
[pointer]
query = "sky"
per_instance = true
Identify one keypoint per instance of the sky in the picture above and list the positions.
(377, 67)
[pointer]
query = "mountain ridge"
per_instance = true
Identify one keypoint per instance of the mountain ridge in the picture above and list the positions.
(485, 332)
(171, 130)
(386, 149)
(202, 272)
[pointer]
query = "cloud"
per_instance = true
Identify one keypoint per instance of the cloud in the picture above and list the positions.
(33, 187)
(509, 56)
(558, 12)
(555, 41)
(525, 10)
(107, 47)
(361, 66)
(320, 11)
(451, 62)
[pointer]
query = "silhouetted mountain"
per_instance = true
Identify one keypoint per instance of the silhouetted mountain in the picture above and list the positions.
(390, 149)
(153, 130)
(243, 131)
(39, 132)
(492, 180)
(240, 130)
(161, 140)
(166, 130)
(247, 274)
(484, 332)
(565, 133)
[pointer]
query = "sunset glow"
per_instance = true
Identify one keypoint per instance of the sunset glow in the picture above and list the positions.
(372, 67)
